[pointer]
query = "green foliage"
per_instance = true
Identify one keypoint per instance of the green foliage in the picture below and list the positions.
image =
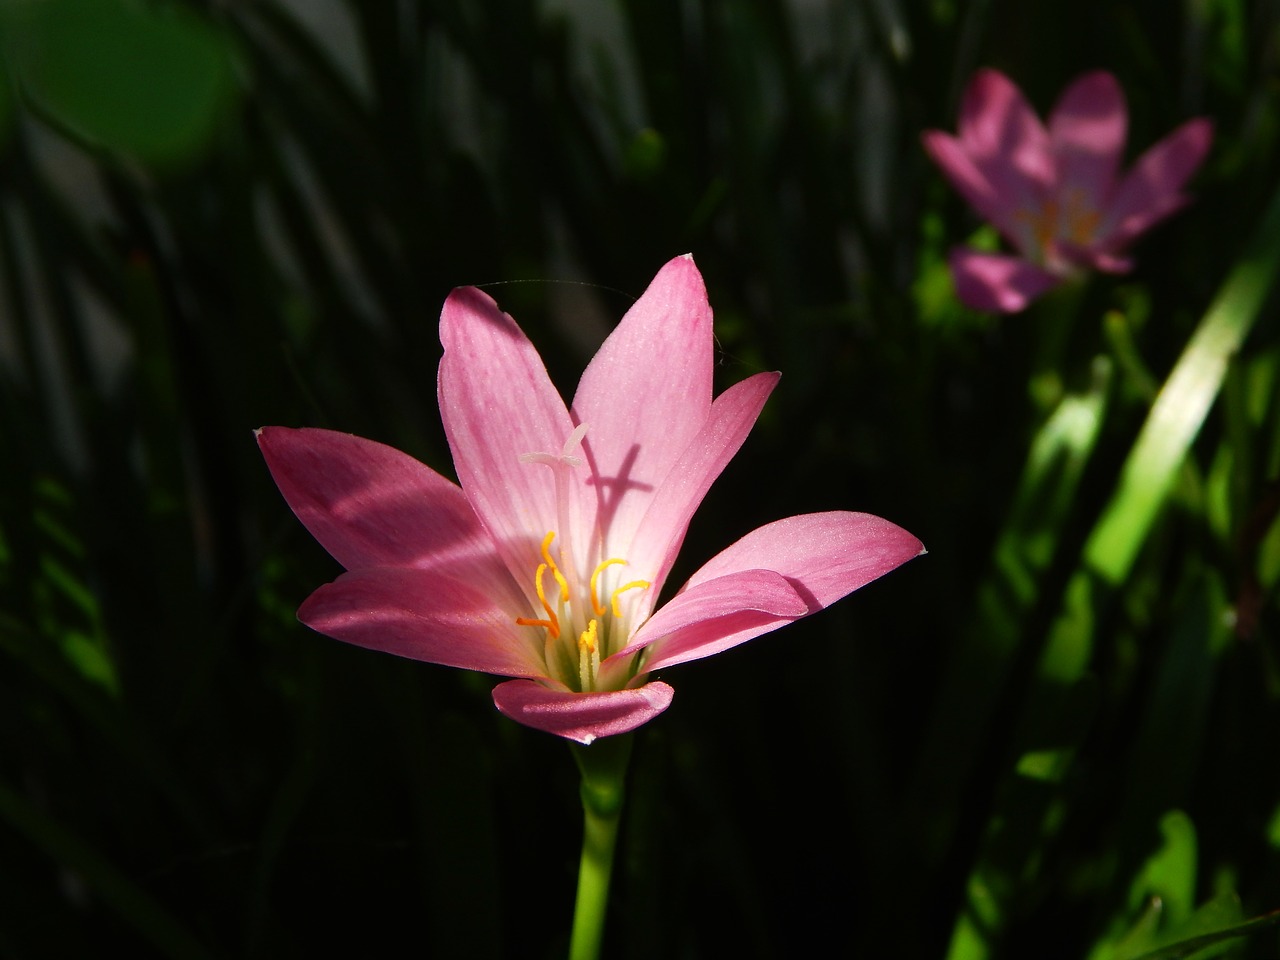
(149, 82)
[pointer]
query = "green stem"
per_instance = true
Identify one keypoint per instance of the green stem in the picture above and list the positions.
(604, 769)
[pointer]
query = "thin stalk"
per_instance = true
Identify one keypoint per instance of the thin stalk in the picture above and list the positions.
(604, 769)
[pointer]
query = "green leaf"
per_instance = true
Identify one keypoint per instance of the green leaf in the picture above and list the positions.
(1182, 405)
(1216, 923)
(1160, 895)
(148, 81)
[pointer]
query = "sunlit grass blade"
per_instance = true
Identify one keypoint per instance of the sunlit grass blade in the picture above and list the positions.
(1188, 947)
(1182, 405)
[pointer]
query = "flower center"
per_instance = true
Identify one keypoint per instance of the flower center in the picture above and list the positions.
(582, 628)
(1071, 218)
(597, 627)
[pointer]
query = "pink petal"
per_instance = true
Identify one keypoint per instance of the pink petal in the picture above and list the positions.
(1088, 128)
(498, 403)
(646, 394)
(583, 717)
(661, 531)
(1150, 191)
(997, 281)
(824, 555)
(371, 505)
(1094, 257)
(712, 616)
(1006, 140)
(971, 183)
(423, 615)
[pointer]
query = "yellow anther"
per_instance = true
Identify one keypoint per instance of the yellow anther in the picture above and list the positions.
(1081, 219)
(597, 607)
(1046, 225)
(587, 642)
(633, 585)
(552, 623)
(588, 658)
(555, 571)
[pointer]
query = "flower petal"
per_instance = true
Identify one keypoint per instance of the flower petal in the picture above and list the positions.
(1006, 140)
(662, 529)
(958, 167)
(1150, 191)
(1088, 127)
(498, 403)
(583, 717)
(712, 616)
(371, 505)
(423, 615)
(646, 394)
(824, 555)
(997, 281)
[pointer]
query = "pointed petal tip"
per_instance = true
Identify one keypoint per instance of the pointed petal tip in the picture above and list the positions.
(681, 267)
(930, 139)
(470, 300)
(1200, 132)
(985, 76)
(1098, 86)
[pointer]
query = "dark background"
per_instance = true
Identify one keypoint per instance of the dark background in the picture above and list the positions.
(218, 216)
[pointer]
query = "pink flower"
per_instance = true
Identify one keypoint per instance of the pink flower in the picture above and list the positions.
(546, 563)
(1054, 194)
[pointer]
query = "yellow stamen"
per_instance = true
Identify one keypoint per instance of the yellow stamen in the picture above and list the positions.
(596, 606)
(552, 623)
(1081, 220)
(587, 642)
(588, 657)
(555, 571)
(633, 585)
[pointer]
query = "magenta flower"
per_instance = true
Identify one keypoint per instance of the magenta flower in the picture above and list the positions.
(1054, 194)
(546, 564)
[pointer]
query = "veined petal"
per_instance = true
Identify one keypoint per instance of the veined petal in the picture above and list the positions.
(497, 404)
(662, 529)
(824, 555)
(423, 615)
(646, 394)
(996, 281)
(712, 616)
(583, 717)
(371, 505)
(1006, 140)
(1150, 191)
(1088, 127)
(996, 206)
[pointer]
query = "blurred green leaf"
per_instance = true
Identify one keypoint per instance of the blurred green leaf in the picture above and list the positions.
(1160, 894)
(150, 81)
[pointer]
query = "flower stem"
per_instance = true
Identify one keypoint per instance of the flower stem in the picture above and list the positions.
(604, 768)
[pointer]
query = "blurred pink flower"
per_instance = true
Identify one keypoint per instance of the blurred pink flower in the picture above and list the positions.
(1054, 194)
(545, 564)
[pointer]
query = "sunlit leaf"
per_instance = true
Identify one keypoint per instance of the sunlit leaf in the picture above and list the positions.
(1215, 924)
(1183, 403)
